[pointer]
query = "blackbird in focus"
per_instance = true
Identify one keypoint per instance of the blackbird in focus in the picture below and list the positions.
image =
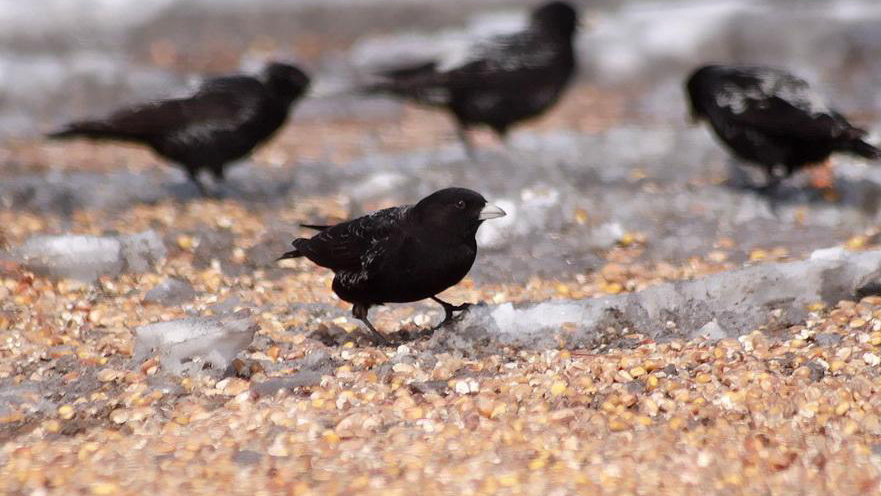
(772, 119)
(223, 121)
(500, 80)
(401, 254)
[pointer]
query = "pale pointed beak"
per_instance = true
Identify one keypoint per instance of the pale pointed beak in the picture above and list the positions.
(490, 211)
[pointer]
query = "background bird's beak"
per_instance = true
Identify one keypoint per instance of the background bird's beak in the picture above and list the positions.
(490, 211)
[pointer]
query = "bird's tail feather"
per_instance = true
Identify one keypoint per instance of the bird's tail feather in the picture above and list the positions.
(87, 129)
(864, 149)
(314, 226)
(295, 253)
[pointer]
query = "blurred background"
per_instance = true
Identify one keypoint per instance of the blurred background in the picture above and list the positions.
(66, 58)
(617, 155)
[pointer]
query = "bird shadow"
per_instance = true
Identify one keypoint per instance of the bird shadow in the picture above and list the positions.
(330, 335)
(334, 335)
(862, 194)
(71, 191)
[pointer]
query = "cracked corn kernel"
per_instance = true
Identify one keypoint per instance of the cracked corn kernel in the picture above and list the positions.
(104, 488)
(66, 412)
(330, 436)
(637, 372)
(616, 425)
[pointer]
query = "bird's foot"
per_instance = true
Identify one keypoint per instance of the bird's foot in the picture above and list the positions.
(770, 193)
(449, 312)
(377, 337)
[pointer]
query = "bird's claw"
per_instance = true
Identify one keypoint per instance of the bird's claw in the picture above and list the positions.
(462, 309)
(449, 315)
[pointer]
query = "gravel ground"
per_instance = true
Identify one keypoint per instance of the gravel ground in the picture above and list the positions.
(796, 412)
(310, 406)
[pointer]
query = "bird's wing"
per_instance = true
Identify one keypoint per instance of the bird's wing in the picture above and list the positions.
(221, 103)
(498, 59)
(776, 103)
(490, 61)
(354, 244)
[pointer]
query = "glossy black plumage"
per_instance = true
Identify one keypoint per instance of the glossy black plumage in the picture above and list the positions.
(770, 118)
(401, 254)
(223, 121)
(502, 80)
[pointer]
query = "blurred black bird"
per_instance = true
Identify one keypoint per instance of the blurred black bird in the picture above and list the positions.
(223, 121)
(772, 119)
(502, 80)
(401, 254)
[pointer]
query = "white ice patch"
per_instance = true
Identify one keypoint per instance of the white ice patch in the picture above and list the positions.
(510, 320)
(833, 254)
(86, 258)
(722, 305)
(184, 346)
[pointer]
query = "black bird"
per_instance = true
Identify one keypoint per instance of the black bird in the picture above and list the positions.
(502, 80)
(223, 121)
(401, 254)
(770, 118)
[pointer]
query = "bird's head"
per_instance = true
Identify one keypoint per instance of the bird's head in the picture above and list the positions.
(285, 80)
(455, 213)
(696, 90)
(556, 17)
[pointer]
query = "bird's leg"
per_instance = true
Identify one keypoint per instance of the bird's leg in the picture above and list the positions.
(462, 133)
(219, 180)
(738, 177)
(770, 190)
(217, 172)
(772, 185)
(360, 313)
(502, 133)
(449, 309)
(193, 174)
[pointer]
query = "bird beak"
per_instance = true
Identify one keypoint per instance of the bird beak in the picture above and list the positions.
(490, 211)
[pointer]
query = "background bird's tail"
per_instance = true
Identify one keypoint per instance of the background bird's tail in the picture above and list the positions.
(864, 149)
(406, 80)
(88, 129)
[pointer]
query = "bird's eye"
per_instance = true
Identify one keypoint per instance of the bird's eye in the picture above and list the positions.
(460, 204)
